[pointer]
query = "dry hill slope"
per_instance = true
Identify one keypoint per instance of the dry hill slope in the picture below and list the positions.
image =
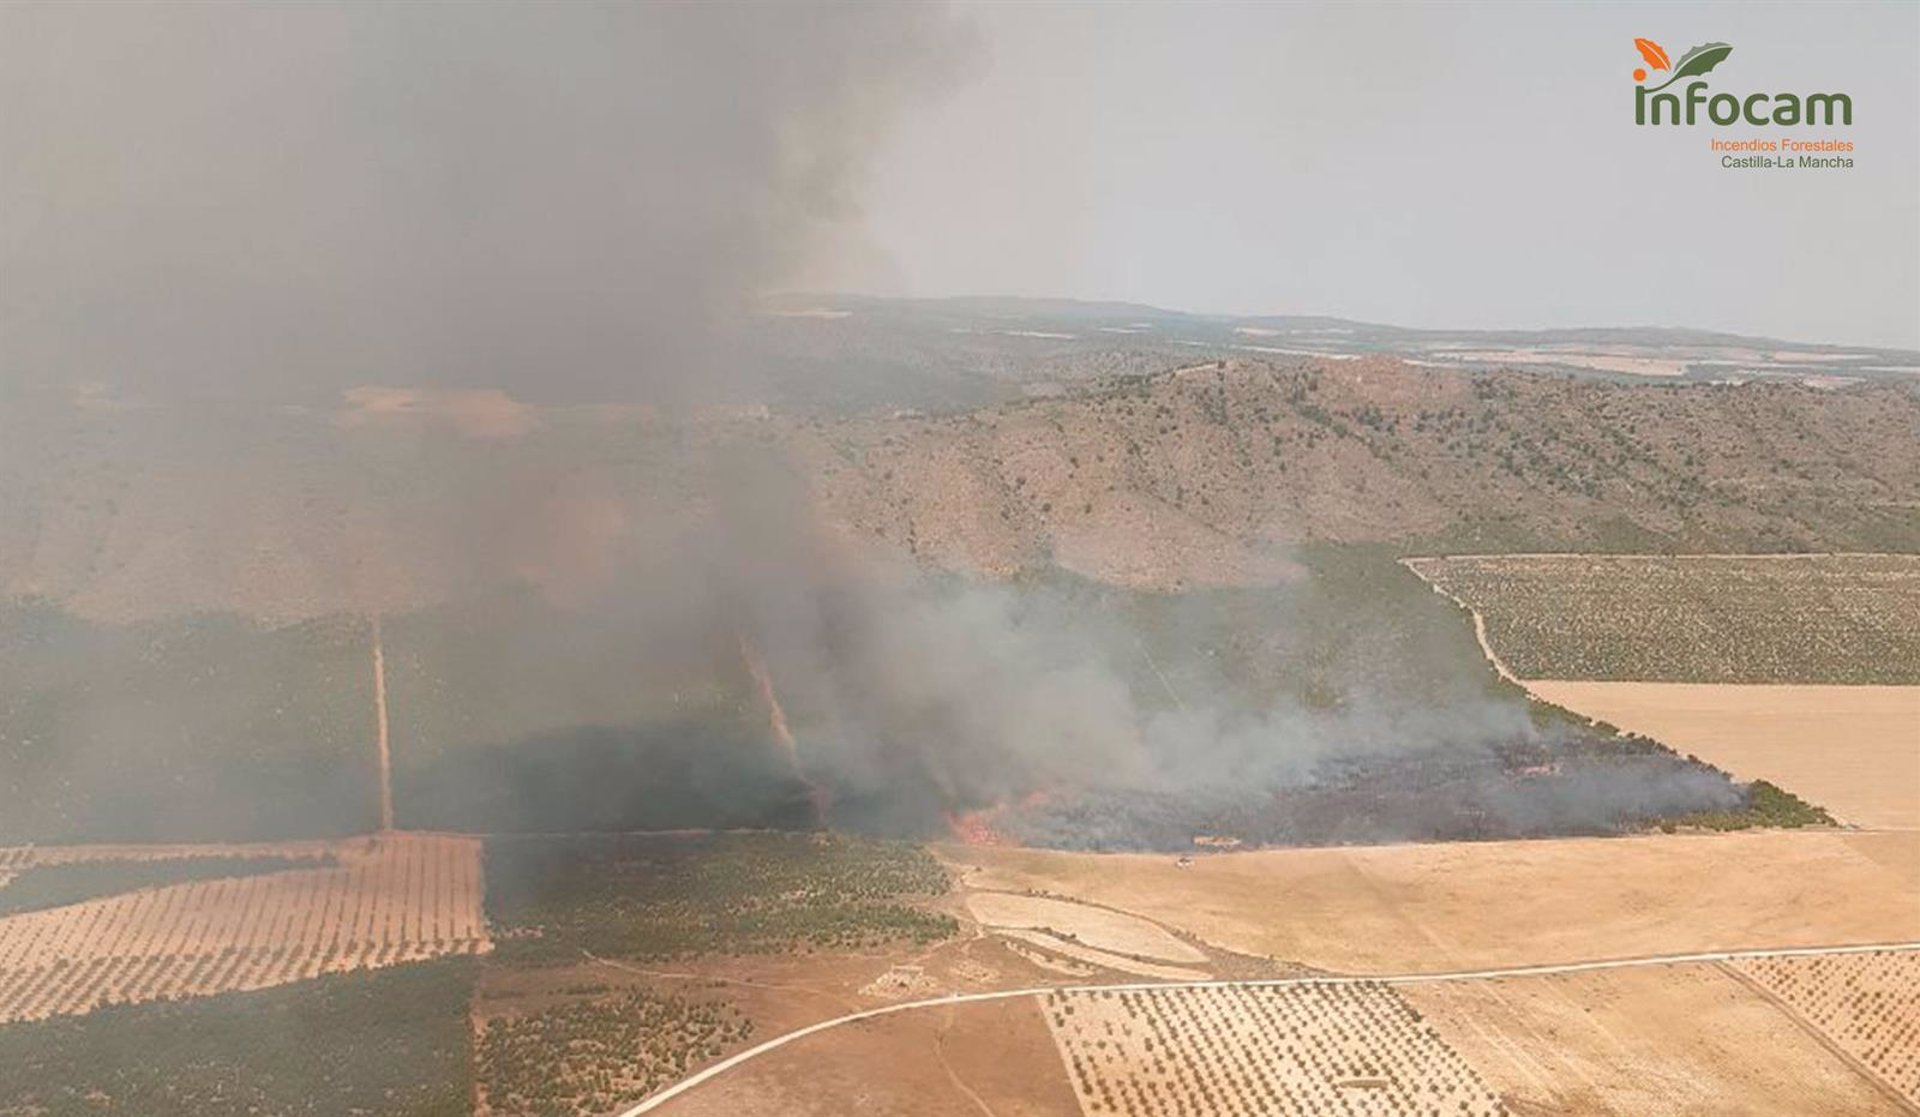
(119, 507)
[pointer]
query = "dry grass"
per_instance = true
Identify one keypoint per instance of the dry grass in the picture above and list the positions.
(1313, 1049)
(1854, 750)
(1655, 1042)
(400, 898)
(1471, 905)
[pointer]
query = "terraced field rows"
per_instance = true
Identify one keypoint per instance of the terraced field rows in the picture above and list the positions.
(399, 898)
(1869, 1004)
(1356, 1050)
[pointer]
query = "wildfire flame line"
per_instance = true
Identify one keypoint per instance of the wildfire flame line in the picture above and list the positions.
(782, 735)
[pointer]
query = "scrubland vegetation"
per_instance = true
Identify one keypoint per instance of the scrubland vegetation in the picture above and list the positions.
(390, 1043)
(1336, 1049)
(1709, 619)
(1765, 805)
(601, 1053)
(665, 897)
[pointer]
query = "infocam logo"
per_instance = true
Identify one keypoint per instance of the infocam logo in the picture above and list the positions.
(1652, 106)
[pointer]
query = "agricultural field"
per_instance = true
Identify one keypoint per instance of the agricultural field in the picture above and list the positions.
(1658, 1041)
(1335, 1048)
(1839, 619)
(1474, 905)
(962, 1060)
(387, 900)
(1852, 750)
(1869, 1004)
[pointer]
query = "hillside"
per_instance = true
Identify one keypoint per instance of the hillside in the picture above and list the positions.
(1209, 474)
(121, 507)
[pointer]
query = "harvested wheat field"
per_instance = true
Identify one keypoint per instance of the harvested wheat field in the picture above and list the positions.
(1658, 1041)
(1854, 750)
(1346, 1048)
(397, 898)
(1473, 905)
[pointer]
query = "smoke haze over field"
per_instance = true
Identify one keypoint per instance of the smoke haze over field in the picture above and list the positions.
(581, 203)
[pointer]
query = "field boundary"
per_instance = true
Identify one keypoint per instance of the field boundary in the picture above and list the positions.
(1710, 957)
(1479, 622)
(1818, 1035)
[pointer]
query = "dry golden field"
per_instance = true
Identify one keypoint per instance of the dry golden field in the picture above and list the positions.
(1099, 928)
(392, 899)
(1656, 1041)
(1309, 1049)
(1854, 750)
(1473, 905)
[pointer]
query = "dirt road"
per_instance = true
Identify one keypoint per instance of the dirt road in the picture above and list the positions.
(727, 1064)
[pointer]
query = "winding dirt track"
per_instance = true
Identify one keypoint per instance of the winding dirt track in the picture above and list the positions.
(724, 1065)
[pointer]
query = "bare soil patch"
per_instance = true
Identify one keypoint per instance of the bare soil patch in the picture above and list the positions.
(972, 1060)
(1854, 750)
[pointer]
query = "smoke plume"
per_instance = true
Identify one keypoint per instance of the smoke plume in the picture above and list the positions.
(568, 201)
(435, 221)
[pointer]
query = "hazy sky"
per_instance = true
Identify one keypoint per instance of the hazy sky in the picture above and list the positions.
(1443, 165)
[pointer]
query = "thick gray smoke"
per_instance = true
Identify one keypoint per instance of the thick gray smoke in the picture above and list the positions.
(570, 201)
(582, 203)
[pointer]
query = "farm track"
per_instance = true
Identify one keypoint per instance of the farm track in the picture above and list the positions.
(1716, 957)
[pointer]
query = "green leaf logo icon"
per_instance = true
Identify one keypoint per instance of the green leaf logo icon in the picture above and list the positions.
(1696, 62)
